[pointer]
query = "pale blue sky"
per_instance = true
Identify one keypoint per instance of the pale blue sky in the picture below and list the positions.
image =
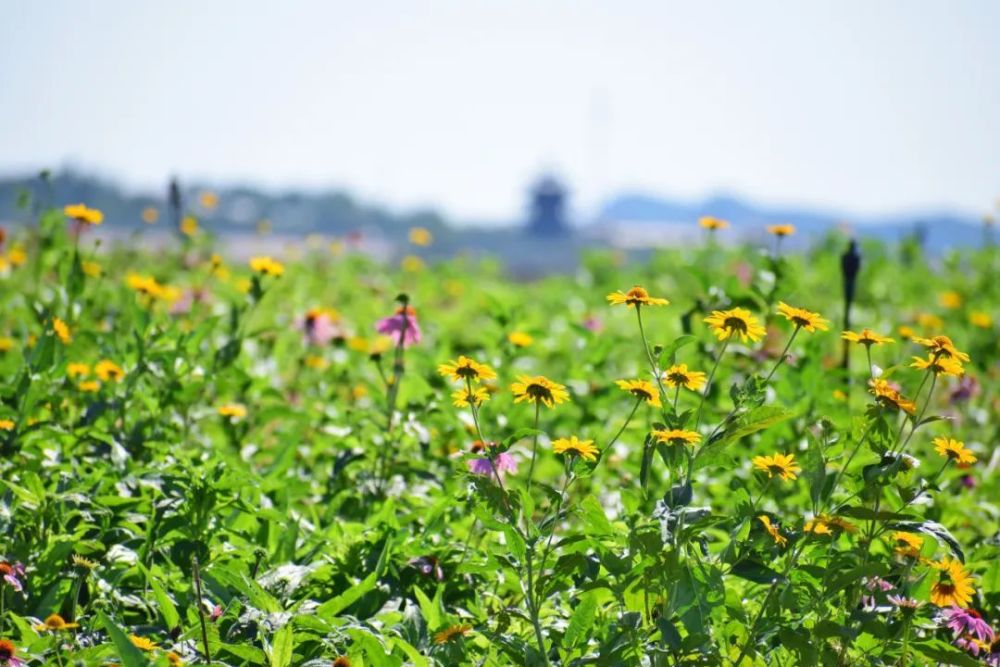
(861, 105)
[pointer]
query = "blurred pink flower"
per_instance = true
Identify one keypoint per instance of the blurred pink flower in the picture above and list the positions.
(505, 463)
(401, 326)
(319, 327)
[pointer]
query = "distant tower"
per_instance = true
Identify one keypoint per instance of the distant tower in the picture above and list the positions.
(547, 209)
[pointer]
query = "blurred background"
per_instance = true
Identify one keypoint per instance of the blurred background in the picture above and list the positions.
(524, 129)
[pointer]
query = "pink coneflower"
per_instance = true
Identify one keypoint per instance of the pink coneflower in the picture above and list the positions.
(878, 584)
(429, 566)
(12, 574)
(968, 387)
(968, 481)
(504, 463)
(968, 622)
(216, 613)
(905, 603)
(402, 325)
(318, 327)
(594, 324)
(970, 644)
(188, 299)
(7, 655)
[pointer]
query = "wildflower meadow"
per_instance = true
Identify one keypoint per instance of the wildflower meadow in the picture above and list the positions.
(715, 454)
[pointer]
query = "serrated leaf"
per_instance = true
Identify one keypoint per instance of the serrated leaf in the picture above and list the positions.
(126, 650)
(582, 619)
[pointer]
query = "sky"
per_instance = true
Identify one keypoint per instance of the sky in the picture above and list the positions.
(852, 105)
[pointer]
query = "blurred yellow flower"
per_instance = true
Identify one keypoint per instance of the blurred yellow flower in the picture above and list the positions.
(6, 344)
(772, 530)
(55, 623)
(189, 225)
(62, 331)
(109, 370)
(142, 643)
(907, 544)
(208, 199)
(420, 236)
(781, 230)
(463, 398)
(150, 215)
(76, 369)
(950, 299)
(735, 322)
(266, 266)
(637, 296)
(641, 389)
(677, 437)
(81, 213)
(888, 396)
(520, 339)
(17, 256)
(939, 365)
(929, 321)
(89, 386)
(232, 410)
(316, 362)
(464, 369)
(92, 269)
(412, 264)
(6, 425)
(954, 450)
(978, 318)
(866, 337)
(802, 318)
(539, 389)
(712, 223)
(941, 346)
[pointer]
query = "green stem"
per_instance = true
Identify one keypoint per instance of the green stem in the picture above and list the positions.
(784, 353)
(534, 449)
(711, 376)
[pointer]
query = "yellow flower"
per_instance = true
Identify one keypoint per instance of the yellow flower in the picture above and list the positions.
(889, 397)
(954, 450)
(677, 437)
(466, 369)
(929, 321)
(637, 296)
(942, 347)
(61, 330)
(954, 585)
(733, 322)
(907, 544)
(802, 318)
(978, 318)
(939, 365)
(583, 448)
(642, 389)
(89, 386)
(420, 236)
(54, 623)
(906, 332)
(92, 269)
(76, 369)
(189, 225)
(266, 266)
(451, 632)
(6, 344)
(83, 562)
(6, 425)
(782, 465)
(520, 339)
(148, 286)
(781, 230)
(17, 256)
(950, 299)
(150, 215)
(80, 213)
(412, 264)
(539, 389)
(866, 337)
(678, 375)
(772, 530)
(315, 362)
(109, 370)
(828, 525)
(232, 410)
(208, 199)
(712, 223)
(142, 643)
(463, 397)
(174, 659)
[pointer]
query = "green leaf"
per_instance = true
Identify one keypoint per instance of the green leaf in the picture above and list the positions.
(755, 572)
(937, 531)
(281, 648)
(166, 606)
(430, 609)
(595, 521)
(582, 619)
(670, 350)
(944, 653)
(335, 605)
(126, 650)
(746, 424)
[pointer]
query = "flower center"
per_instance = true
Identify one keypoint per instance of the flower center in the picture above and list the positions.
(735, 324)
(538, 391)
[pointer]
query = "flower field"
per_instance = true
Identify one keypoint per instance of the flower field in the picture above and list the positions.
(318, 459)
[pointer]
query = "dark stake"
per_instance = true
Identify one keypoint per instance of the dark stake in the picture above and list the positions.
(174, 204)
(850, 264)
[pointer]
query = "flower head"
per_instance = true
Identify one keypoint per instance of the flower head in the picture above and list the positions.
(907, 544)
(890, 397)
(62, 331)
(12, 574)
(465, 397)
(420, 236)
(641, 389)
(76, 369)
(943, 347)
(520, 339)
(451, 632)
(82, 214)
(954, 585)
(539, 389)
(264, 265)
(8, 654)
(109, 370)
(968, 621)
(319, 326)
(781, 230)
(466, 369)
(678, 375)
(142, 643)
(503, 462)
(54, 623)
(954, 450)
(583, 448)
(83, 562)
(865, 337)
(735, 322)
(712, 223)
(772, 530)
(341, 661)
(802, 318)
(401, 326)
(677, 437)
(825, 524)
(939, 365)
(232, 411)
(782, 465)
(637, 296)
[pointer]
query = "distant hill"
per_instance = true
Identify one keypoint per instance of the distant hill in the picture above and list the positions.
(940, 228)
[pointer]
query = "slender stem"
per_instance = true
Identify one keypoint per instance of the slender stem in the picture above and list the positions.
(201, 610)
(770, 592)
(624, 426)
(649, 355)
(677, 394)
(711, 376)
(533, 608)
(784, 353)
(920, 416)
(534, 448)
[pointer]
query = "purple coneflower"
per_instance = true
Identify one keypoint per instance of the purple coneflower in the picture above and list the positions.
(401, 326)
(905, 603)
(968, 622)
(318, 326)
(12, 574)
(504, 462)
